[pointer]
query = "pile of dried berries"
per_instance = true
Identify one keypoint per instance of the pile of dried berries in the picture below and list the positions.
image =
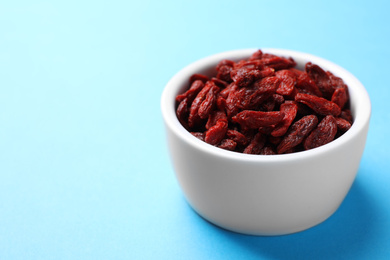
(264, 105)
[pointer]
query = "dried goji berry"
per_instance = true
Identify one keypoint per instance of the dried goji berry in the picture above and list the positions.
(306, 85)
(219, 83)
(298, 131)
(320, 105)
(279, 99)
(289, 108)
(257, 55)
(216, 133)
(190, 94)
(216, 126)
(182, 112)
(224, 73)
(268, 105)
(340, 97)
(226, 91)
(267, 150)
(221, 103)
(265, 72)
(267, 130)
(272, 103)
(228, 63)
(198, 135)
(233, 101)
(194, 118)
(200, 77)
(243, 76)
(214, 117)
(242, 97)
(336, 82)
(261, 91)
(249, 64)
(277, 63)
(322, 134)
(321, 78)
(342, 124)
(256, 144)
(287, 82)
(347, 115)
(208, 103)
(255, 119)
(238, 137)
(228, 144)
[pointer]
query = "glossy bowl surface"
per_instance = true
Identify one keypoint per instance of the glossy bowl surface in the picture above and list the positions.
(265, 194)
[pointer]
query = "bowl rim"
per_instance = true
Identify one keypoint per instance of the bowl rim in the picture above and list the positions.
(360, 107)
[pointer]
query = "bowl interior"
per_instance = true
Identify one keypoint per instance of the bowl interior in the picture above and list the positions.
(359, 99)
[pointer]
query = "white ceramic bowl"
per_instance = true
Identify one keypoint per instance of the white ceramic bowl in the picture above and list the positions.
(265, 194)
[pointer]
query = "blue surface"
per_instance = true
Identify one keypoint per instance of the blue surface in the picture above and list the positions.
(84, 172)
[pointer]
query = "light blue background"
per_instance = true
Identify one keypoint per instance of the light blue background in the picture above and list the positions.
(84, 170)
